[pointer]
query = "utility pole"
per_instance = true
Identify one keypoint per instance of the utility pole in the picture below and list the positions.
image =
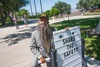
(41, 6)
(35, 7)
(31, 8)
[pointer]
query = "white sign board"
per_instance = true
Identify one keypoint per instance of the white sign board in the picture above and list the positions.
(68, 46)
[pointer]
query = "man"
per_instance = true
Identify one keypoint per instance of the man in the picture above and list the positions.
(25, 20)
(41, 41)
(15, 19)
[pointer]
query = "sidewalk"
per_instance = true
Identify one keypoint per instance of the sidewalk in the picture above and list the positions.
(73, 17)
(19, 55)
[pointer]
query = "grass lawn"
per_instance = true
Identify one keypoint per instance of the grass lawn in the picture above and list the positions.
(92, 42)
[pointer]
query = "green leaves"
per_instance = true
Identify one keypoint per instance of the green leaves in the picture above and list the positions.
(10, 6)
(63, 7)
(22, 12)
(13, 5)
(54, 11)
(88, 4)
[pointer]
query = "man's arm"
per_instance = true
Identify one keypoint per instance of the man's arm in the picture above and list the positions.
(33, 47)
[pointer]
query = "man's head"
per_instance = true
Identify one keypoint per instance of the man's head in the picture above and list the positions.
(43, 20)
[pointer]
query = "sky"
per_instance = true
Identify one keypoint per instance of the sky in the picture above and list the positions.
(47, 5)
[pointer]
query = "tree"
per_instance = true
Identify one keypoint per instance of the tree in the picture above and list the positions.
(54, 12)
(10, 6)
(68, 10)
(88, 5)
(62, 6)
(35, 7)
(47, 12)
(22, 12)
(31, 8)
(41, 6)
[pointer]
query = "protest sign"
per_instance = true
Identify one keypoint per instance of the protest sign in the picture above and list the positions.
(68, 46)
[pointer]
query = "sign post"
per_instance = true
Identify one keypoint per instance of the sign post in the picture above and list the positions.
(68, 47)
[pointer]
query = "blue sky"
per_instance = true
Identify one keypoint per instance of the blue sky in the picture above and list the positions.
(47, 4)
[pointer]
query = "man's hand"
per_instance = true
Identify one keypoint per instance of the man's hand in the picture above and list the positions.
(42, 59)
(67, 28)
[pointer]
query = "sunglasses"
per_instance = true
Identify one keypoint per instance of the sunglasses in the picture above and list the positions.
(43, 19)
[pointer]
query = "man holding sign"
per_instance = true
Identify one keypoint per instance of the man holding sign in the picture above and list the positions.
(67, 44)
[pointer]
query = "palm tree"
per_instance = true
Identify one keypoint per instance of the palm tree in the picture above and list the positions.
(41, 6)
(31, 8)
(35, 7)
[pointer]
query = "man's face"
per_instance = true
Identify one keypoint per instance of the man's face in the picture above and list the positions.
(43, 21)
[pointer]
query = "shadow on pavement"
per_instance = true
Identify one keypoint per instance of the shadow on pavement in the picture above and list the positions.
(12, 39)
(21, 34)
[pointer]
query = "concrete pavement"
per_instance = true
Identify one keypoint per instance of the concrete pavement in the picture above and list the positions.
(18, 54)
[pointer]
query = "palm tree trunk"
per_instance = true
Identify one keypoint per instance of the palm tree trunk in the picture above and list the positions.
(68, 16)
(35, 7)
(41, 6)
(31, 8)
